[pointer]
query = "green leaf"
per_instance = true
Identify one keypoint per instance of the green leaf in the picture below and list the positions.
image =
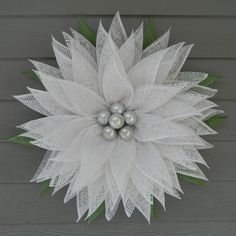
(153, 211)
(191, 179)
(86, 31)
(31, 74)
(210, 80)
(215, 121)
(149, 35)
(45, 187)
(97, 213)
(20, 140)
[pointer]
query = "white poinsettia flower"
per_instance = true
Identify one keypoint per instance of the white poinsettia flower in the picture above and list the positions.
(121, 121)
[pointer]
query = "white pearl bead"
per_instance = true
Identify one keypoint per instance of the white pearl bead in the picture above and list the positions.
(130, 117)
(103, 117)
(126, 132)
(116, 121)
(109, 133)
(117, 108)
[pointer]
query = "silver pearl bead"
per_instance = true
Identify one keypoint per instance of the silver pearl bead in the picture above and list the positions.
(103, 117)
(117, 108)
(126, 132)
(116, 121)
(109, 133)
(130, 117)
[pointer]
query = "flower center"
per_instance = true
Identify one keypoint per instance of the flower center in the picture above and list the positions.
(117, 121)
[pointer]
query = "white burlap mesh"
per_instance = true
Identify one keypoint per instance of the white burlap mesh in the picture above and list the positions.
(85, 43)
(168, 62)
(117, 31)
(115, 86)
(121, 162)
(48, 102)
(145, 71)
(176, 110)
(47, 69)
(53, 86)
(170, 106)
(100, 40)
(138, 41)
(179, 62)
(63, 57)
(30, 101)
(44, 126)
(148, 97)
(159, 44)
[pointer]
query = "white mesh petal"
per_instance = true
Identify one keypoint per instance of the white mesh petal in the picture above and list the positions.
(48, 102)
(84, 67)
(167, 62)
(30, 101)
(85, 43)
(179, 62)
(197, 173)
(138, 40)
(152, 166)
(84, 100)
(100, 40)
(138, 201)
(92, 159)
(117, 31)
(54, 87)
(121, 162)
(145, 71)
(63, 57)
(176, 110)
(150, 128)
(127, 53)
(147, 98)
(63, 136)
(43, 126)
(47, 69)
(159, 44)
(116, 87)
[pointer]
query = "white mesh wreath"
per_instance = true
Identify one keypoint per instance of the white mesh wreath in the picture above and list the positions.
(121, 122)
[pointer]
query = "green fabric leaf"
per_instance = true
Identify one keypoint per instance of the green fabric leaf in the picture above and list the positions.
(86, 31)
(149, 35)
(210, 80)
(20, 140)
(96, 213)
(215, 121)
(153, 211)
(30, 73)
(191, 179)
(45, 187)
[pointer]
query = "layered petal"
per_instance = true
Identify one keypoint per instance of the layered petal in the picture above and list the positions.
(157, 45)
(147, 98)
(116, 87)
(63, 57)
(152, 128)
(121, 162)
(117, 31)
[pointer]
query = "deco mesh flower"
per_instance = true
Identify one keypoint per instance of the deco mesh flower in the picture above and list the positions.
(121, 122)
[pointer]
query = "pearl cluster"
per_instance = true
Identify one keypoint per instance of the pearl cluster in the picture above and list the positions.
(117, 121)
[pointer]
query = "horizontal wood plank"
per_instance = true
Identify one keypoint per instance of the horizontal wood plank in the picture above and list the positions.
(199, 203)
(29, 38)
(117, 228)
(18, 163)
(107, 7)
(16, 113)
(14, 82)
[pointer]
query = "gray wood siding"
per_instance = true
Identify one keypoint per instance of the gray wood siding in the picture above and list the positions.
(26, 27)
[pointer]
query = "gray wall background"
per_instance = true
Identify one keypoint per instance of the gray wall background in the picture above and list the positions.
(25, 28)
